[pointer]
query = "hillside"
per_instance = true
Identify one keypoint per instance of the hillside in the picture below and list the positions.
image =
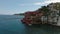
(19, 14)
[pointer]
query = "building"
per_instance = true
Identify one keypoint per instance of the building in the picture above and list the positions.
(38, 17)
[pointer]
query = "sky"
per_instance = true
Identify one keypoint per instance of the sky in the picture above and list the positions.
(9, 7)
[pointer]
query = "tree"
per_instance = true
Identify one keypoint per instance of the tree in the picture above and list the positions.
(45, 11)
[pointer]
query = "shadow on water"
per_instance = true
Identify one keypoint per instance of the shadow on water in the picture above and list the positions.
(15, 26)
(42, 29)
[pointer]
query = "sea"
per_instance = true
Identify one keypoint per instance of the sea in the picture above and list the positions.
(11, 24)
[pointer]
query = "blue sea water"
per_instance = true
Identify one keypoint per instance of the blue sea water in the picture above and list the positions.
(11, 24)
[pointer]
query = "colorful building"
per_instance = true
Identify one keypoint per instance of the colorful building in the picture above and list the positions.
(39, 17)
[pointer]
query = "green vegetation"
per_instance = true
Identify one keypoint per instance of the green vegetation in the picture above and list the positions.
(46, 10)
(19, 14)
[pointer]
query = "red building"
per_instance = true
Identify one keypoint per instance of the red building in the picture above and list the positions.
(31, 17)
